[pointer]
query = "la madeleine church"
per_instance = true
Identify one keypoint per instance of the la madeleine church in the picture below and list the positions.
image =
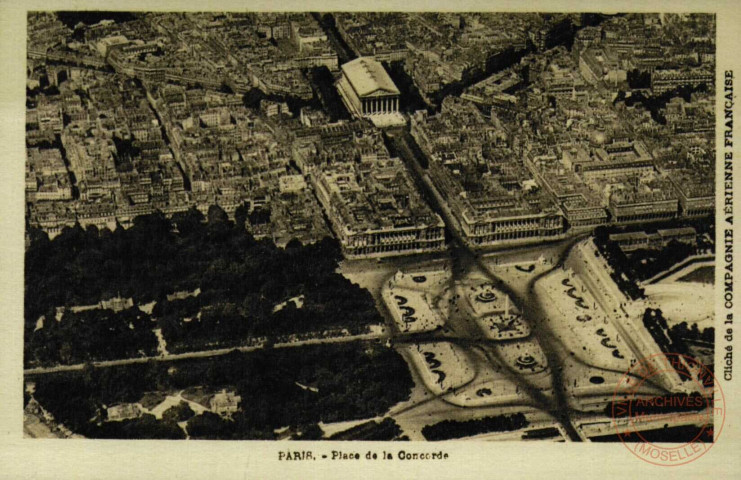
(366, 88)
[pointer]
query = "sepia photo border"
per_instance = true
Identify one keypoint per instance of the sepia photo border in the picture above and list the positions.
(22, 458)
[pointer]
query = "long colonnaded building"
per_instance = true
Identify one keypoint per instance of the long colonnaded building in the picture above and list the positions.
(375, 210)
(497, 217)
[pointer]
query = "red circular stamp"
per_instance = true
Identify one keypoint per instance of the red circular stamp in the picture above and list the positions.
(668, 409)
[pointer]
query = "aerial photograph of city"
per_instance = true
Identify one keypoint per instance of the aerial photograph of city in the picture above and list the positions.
(369, 226)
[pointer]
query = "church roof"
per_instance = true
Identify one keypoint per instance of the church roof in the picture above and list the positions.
(368, 76)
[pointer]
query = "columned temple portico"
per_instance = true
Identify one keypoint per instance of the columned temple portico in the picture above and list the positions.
(385, 104)
(366, 88)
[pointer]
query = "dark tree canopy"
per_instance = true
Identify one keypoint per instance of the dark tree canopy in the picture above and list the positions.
(240, 282)
(349, 381)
